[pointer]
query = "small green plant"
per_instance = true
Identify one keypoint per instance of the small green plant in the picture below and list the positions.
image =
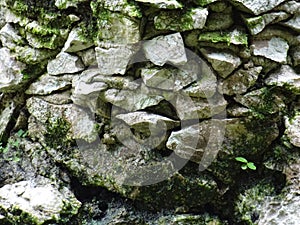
(13, 144)
(246, 164)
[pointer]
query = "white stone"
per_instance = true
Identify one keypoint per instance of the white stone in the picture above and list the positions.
(76, 42)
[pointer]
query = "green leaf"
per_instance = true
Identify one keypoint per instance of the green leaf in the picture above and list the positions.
(251, 166)
(241, 159)
(244, 166)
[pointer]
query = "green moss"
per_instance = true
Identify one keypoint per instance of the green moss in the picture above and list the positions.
(235, 37)
(254, 22)
(203, 2)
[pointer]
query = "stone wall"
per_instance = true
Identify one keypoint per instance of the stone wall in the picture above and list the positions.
(149, 111)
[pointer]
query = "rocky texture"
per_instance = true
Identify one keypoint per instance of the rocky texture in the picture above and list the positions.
(223, 62)
(285, 77)
(275, 49)
(193, 19)
(163, 49)
(64, 63)
(139, 130)
(25, 197)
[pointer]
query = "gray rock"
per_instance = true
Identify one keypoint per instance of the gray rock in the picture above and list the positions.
(132, 100)
(11, 77)
(190, 20)
(163, 4)
(46, 84)
(65, 63)
(163, 49)
(275, 49)
(76, 42)
(117, 28)
(293, 23)
(61, 98)
(198, 108)
(64, 4)
(123, 6)
(42, 200)
(10, 37)
(256, 6)
(235, 37)
(33, 56)
(114, 59)
(240, 81)
(292, 7)
(88, 57)
(285, 77)
(293, 129)
(262, 101)
(81, 125)
(219, 21)
(171, 79)
(257, 24)
(223, 62)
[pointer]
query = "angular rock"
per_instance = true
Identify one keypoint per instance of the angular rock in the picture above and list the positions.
(293, 129)
(171, 79)
(58, 98)
(256, 6)
(235, 37)
(240, 81)
(257, 24)
(88, 57)
(11, 76)
(41, 200)
(46, 84)
(10, 37)
(223, 62)
(219, 21)
(198, 108)
(292, 7)
(114, 59)
(81, 125)
(275, 49)
(293, 23)
(163, 49)
(163, 4)
(285, 77)
(190, 20)
(65, 63)
(33, 56)
(117, 28)
(76, 42)
(122, 6)
(262, 101)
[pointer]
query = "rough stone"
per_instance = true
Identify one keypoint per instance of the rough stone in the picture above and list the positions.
(293, 23)
(10, 37)
(198, 108)
(163, 49)
(235, 37)
(132, 100)
(46, 84)
(292, 7)
(219, 21)
(223, 62)
(61, 98)
(114, 59)
(5, 117)
(285, 77)
(171, 79)
(11, 76)
(240, 81)
(76, 42)
(163, 4)
(41, 200)
(122, 6)
(257, 24)
(88, 57)
(64, 63)
(81, 125)
(117, 28)
(192, 19)
(33, 56)
(293, 129)
(256, 6)
(275, 49)
(262, 101)
(295, 54)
